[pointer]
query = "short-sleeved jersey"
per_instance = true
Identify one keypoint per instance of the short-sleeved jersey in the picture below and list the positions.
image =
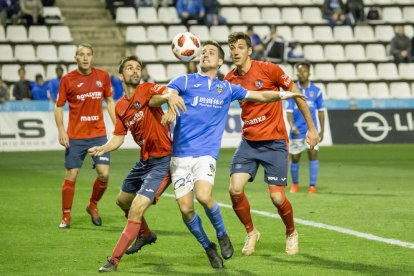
(199, 131)
(85, 94)
(143, 121)
(314, 99)
(262, 121)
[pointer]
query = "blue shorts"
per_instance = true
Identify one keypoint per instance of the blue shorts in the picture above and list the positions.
(149, 178)
(272, 155)
(76, 152)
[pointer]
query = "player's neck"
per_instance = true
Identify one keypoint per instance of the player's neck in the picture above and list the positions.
(304, 84)
(210, 73)
(84, 71)
(244, 68)
(129, 91)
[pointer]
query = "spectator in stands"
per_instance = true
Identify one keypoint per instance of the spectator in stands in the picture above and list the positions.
(145, 76)
(54, 83)
(40, 89)
(355, 11)
(32, 12)
(334, 12)
(4, 92)
(190, 10)
(48, 3)
(212, 8)
(22, 89)
(192, 67)
(412, 48)
(275, 45)
(257, 44)
(9, 10)
(117, 88)
(111, 7)
(400, 46)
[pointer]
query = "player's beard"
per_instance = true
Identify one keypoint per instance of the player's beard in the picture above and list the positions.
(132, 82)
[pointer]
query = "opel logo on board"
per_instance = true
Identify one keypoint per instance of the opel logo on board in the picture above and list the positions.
(372, 126)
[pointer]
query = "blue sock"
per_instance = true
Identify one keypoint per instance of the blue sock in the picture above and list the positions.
(216, 219)
(313, 171)
(197, 230)
(294, 171)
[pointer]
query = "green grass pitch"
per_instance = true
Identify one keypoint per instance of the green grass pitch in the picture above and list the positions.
(369, 189)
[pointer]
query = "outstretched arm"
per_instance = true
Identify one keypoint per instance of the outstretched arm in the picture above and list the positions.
(115, 142)
(271, 96)
(170, 96)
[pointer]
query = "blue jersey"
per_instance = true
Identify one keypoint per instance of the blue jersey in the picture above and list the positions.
(314, 99)
(54, 88)
(198, 132)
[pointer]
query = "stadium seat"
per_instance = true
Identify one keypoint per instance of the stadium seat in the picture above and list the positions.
(314, 53)
(173, 30)
(51, 71)
(400, 90)
(174, 70)
(224, 69)
(168, 15)
(355, 52)
(201, 31)
(387, 71)
(291, 15)
(323, 34)
(302, 34)
(271, 15)
(358, 90)
(16, 33)
(285, 32)
(52, 15)
(408, 14)
(406, 71)
(250, 15)
(260, 2)
(378, 90)
(146, 52)
(157, 34)
(2, 34)
(219, 33)
(392, 15)
(136, 34)
(409, 30)
(25, 53)
(322, 88)
(9, 72)
(261, 31)
(243, 28)
(288, 69)
(343, 34)
(32, 70)
(231, 14)
(376, 52)
(126, 15)
(60, 34)
(364, 33)
(312, 15)
(39, 34)
(325, 72)
(226, 50)
(47, 53)
(337, 91)
(384, 33)
(66, 53)
(164, 53)
(366, 71)
(72, 67)
(148, 15)
(334, 53)
(346, 71)
(157, 72)
(6, 51)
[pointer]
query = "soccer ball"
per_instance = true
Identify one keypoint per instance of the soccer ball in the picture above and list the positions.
(185, 46)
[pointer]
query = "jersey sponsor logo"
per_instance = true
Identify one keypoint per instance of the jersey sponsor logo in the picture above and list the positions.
(103, 158)
(79, 85)
(207, 102)
(372, 126)
(137, 105)
(219, 88)
(272, 178)
(212, 168)
(255, 120)
(99, 84)
(157, 88)
(89, 118)
(286, 80)
(137, 117)
(238, 166)
(93, 95)
(258, 83)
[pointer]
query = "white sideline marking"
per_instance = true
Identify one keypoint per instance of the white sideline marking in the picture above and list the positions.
(327, 227)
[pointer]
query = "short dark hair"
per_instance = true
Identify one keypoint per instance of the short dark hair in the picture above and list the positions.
(303, 63)
(125, 60)
(233, 37)
(216, 44)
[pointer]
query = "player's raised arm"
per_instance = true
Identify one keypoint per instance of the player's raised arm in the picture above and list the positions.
(271, 96)
(115, 142)
(170, 96)
(62, 135)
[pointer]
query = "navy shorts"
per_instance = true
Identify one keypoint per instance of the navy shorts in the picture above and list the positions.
(272, 155)
(78, 148)
(149, 178)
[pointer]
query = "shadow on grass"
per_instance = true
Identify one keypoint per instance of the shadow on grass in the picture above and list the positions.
(360, 194)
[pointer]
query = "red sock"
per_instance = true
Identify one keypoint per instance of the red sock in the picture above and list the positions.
(128, 235)
(99, 188)
(241, 207)
(68, 192)
(285, 210)
(144, 231)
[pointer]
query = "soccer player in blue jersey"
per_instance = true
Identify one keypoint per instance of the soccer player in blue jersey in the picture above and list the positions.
(197, 139)
(298, 128)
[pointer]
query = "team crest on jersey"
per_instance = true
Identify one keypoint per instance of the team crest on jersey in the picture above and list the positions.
(311, 94)
(258, 83)
(99, 84)
(219, 88)
(212, 168)
(137, 105)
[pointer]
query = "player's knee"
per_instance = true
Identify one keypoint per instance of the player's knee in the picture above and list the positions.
(234, 190)
(103, 176)
(71, 174)
(277, 198)
(204, 199)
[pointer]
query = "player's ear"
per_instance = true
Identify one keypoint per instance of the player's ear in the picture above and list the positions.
(220, 62)
(250, 51)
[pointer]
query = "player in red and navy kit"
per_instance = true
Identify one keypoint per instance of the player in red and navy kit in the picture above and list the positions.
(139, 112)
(84, 89)
(298, 128)
(264, 140)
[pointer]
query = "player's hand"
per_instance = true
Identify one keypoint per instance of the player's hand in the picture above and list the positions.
(295, 130)
(320, 136)
(312, 138)
(96, 151)
(175, 103)
(285, 95)
(63, 139)
(168, 118)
